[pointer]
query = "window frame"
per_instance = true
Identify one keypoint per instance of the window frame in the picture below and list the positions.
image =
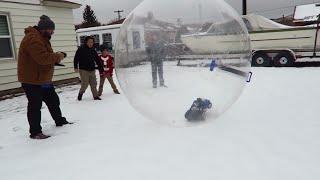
(10, 37)
(104, 37)
(109, 41)
(96, 44)
(82, 39)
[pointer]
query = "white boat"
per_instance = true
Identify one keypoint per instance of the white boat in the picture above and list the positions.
(266, 36)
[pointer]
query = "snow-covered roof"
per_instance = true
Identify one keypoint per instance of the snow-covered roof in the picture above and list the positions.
(98, 28)
(62, 3)
(308, 12)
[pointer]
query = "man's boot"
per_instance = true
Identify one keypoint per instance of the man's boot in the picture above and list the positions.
(163, 85)
(39, 136)
(62, 122)
(80, 96)
(116, 91)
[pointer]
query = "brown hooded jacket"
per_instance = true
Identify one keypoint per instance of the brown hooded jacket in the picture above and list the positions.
(36, 58)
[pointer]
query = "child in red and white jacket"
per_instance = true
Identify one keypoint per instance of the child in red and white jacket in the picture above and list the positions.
(107, 62)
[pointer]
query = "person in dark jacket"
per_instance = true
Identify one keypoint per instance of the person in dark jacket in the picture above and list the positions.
(156, 54)
(35, 71)
(85, 62)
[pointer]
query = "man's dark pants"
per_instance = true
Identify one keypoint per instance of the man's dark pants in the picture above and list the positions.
(36, 94)
(157, 68)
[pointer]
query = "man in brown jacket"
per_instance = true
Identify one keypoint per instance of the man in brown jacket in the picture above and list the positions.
(35, 71)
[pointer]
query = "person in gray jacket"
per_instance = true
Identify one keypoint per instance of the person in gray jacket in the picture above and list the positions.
(156, 54)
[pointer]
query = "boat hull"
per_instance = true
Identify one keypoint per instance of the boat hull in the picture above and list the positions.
(295, 39)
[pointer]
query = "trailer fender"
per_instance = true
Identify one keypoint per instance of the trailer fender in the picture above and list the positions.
(273, 52)
(292, 54)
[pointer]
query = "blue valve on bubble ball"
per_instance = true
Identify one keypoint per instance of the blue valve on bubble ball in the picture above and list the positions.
(213, 64)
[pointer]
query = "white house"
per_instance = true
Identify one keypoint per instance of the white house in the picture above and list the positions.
(103, 35)
(107, 36)
(15, 15)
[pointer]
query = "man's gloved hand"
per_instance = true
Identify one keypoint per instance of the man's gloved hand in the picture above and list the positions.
(62, 55)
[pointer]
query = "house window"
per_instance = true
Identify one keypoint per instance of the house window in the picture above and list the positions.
(107, 37)
(96, 41)
(136, 40)
(107, 40)
(5, 38)
(82, 39)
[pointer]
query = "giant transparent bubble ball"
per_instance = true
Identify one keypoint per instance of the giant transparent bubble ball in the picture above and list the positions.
(182, 62)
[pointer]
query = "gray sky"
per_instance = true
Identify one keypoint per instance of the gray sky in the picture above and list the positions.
(269, 8)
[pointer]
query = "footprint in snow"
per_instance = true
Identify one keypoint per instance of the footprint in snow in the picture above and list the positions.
(16, 129)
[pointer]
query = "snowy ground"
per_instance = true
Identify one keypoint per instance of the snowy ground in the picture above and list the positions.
(271, 133)
(168, 105)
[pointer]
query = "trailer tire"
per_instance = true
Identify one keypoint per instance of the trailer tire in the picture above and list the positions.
(261, 60)
(284, 59)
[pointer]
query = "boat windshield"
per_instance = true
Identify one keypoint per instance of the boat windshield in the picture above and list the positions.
(228, 28)
(248, 24)
(205, 27)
